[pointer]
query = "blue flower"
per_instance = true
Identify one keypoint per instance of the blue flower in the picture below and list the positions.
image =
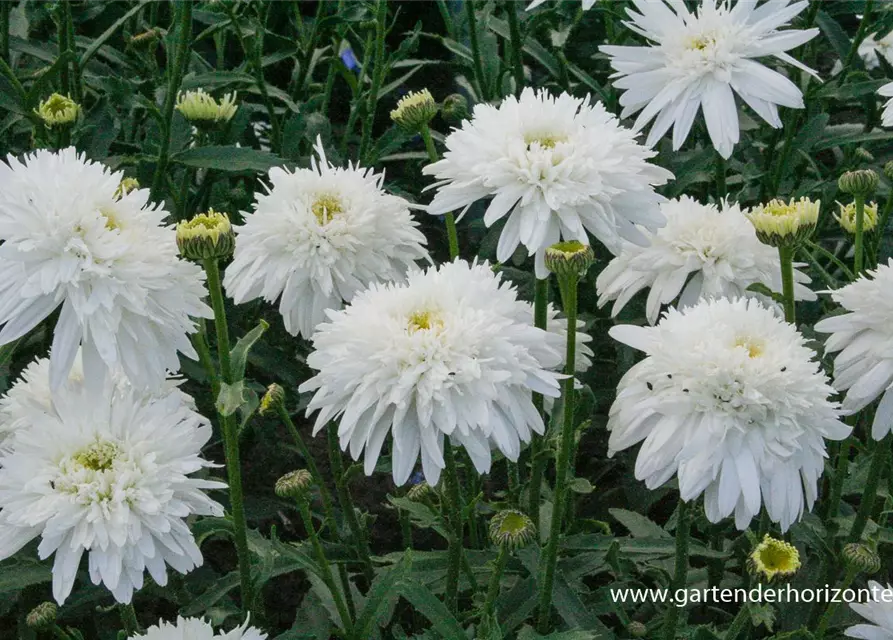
(349, 59)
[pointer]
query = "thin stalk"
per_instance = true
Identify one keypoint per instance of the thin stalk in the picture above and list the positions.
(786, 257)
(517, 44)
(457, 526)
(840, 473)
(549, 560)
(881, 227)
(513, 479)
(537, 457)
(357, 98)
(129, 620)
(875, 472)
(833, 258)
(346, 501)
(58, 631)
(324, 566)
(75, 87)
(175, 74)
(858, 251)
(721, 189)
(62, 37)
(739, 623)
(483, 93)
(231, 437)
(5, 8)
(448, 25)
(683, 526)
(200, 342)
(449, 218)
(832, 607)
(378, 74)
(495, 578)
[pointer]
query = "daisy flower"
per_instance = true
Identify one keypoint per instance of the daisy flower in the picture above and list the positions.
(106, 472)
(317, 237)
(887, 115)
(452, 352)
(197, 629)
(863, 342)
(878, 611)
(703, 251)
(72, 239)
(557, 167)
(701, 60)
(730, 400)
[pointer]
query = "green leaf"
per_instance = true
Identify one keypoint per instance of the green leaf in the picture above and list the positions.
(422, 515)
(639, 526)
(231, 398)
(230, 159)
(835, 34)
(239, 353)
(108, 33)
(16, 574)
(382, 587)
(426, 603)
(581, 485)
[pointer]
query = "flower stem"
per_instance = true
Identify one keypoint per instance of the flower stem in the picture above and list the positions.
(537, 455)
(449, 218)
(721, 189)
(683, 525)
(517, 44)
(456, 524)
(858, 250)
(344, 497)
(840, 473)
(378, 74)
(568, 286)
(786, 257)
(495, 579)
(832, 607)
(324, 566)
(869, 494)
(231, 437)
(58, 631)
(483, 93)
(739, 623)
(128, 619)
(175, 74)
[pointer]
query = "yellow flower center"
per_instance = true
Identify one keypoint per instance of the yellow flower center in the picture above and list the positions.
(424, 321)
(99, 456)
(544, 140)
(775, 557)
(111, 220)
(700, 42)
(753, 347)
(326, 207)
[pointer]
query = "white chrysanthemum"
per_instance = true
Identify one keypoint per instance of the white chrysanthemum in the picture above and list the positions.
(887, 115)
(587, 4)
(557, 166)
(715, 250)
(701, 60)
(71, 238)
(452, 352)
(863, 368)
(318, 237)
(197, 629)
(871, 49)
(878, 611)
(729, 399)
(105, 470)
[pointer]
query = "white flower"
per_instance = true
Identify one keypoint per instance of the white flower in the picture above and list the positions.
(452, 352)
(587, 4)
(106, 472)
(197, 629)
(318, 237)
(557, 166)
(871, 48)
(887, 115)
(864, 339)
(878, 611)
(70, 238)
(703, 59)
(715, 250)
(729, 399)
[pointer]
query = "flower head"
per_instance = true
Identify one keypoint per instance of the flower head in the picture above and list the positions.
(200, 108)
(452, 353)
(730, 400)
(197, 629)
(42, 617)
(887, 115)
(415, 110)
(774, 558)
(704, 251)
(272, 400)
(861, 182)
(863, 342)
(557, 166)
(317, 238)
(878, 611)
(861, 557)
(512, 528)
(206, 236)
(847, 216)
(701, 60)
(58, 110)
(454, 108)
(70, 238)
(126, 186)
(294, 484)
(779, 223)
(106, 471)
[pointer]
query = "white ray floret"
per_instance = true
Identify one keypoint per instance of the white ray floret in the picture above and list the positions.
(197, 629)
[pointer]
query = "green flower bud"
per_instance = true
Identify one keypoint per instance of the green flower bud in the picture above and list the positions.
(58, 110)
(207, 236)
(126, 186)
(861, 557)
(455, 108)
(773, 558)
(203, 111)
(569, 258)
(863, 154)
(42, 617)
(862, 182)
(785, 224)
(146, 39)
(888, 170)
(512, 528)
(421, 492)
(637, 629)
(414, 111)
(272, 400)
(295, 484)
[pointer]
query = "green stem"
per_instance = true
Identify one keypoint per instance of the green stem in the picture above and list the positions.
(786, 257)
(346, 501)
(495, 579)
(721, 189)
(324, 566)
(857, 40)
(75, 85)
(457, 526)
(832, 607)
(5, 8)
(840, 473)
(537, 455)
(200, 342)
(881, 227)
(129, 619)
(62, 37)
(739, 623)
(869, 494)
(549, 560)
(449, 218)
(357, 97)
(858, 251)
(231, 436)
(58, 631)
(517, 44)
(833, 258)
(379, 69)
(683, 526)
(513, 478)
(175, 74)
(483, 93)
(333, 65)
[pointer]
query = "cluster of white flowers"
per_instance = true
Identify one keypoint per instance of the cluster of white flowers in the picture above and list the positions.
(197, 629)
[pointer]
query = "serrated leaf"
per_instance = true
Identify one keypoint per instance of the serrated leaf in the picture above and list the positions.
(239, 353)
(229, 159)
(638, 525)
(426, 603)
